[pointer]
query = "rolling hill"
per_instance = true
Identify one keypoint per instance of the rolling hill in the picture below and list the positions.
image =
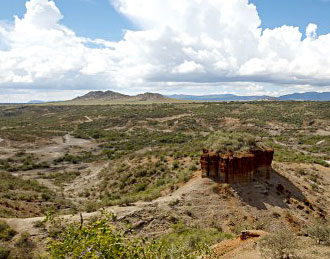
(111, 97)
(97, 95)
(309, 96)
(222, 97)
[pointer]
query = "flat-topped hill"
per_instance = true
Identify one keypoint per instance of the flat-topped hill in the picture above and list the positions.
(107, 95)
(111, 97)
(235, 143)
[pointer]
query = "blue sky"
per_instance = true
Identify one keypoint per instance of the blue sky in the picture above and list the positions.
(99, 19)
(59, 49)
(275, 13)
(88, 18)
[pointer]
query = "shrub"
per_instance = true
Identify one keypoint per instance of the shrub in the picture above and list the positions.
(6, 233)
(320, 232)
(232, 142)
(25, 242)
(184, 240)
(4, 252)
(280, 245)
(176, 164)
(100, 239)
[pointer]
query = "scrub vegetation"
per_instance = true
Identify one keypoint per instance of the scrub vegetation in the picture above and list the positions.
(80, 158)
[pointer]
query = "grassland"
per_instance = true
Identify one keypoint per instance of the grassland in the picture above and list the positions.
(151, 148)
(70, 157)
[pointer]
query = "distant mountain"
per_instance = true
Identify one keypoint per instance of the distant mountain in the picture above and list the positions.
(149, 96)
(110, 95)
(310, 96)
(35, 102)
(222, 97)
(97, 95)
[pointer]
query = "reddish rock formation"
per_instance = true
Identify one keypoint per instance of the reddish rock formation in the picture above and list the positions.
(237, 168)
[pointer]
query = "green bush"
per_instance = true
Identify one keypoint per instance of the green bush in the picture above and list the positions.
(6, 232)
(100, 239)
(232, 142)
(4, 252)
(184, 240)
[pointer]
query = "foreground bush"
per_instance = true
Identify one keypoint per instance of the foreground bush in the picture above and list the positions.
(99, 239)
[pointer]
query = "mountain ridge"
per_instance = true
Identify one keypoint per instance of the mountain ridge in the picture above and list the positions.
(107, 96)
(307, 96)
(111, 95)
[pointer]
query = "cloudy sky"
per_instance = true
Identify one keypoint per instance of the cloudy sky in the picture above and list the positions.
(56, 50)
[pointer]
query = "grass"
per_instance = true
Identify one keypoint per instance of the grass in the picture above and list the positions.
(61, 178)
(152, 149)
(142, 180)
(184, 238)
(100, 239)
(22, 161)
(233, 142)
(167, 132)
(23, 197)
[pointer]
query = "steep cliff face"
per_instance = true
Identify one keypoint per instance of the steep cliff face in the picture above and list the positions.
(237, 168)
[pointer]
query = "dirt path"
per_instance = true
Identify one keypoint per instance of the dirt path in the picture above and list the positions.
(88, 119)
(175, 117)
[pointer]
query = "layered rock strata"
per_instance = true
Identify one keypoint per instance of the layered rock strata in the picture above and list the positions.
(237, 168)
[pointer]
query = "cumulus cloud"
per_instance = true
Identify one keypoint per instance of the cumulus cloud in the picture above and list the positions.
(311, 31)
(180, 44)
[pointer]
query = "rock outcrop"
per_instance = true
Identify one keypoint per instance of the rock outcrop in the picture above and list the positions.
(237, 168)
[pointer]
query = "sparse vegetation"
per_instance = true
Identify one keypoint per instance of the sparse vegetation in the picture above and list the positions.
(320, 232)
(100, 239)
(152, 151)
(19, 193)
(233, 142)
(6, 233)
(279, 245)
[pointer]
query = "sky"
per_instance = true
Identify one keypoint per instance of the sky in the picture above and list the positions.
(57, 50)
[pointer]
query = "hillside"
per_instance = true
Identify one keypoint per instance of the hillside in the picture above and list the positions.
(113, 98)
(149, 96)
(99, 95)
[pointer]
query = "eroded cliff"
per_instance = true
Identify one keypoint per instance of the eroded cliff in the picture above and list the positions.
(237, 168)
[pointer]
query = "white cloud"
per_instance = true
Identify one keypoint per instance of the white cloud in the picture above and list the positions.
(181, 43)
(311, 31)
